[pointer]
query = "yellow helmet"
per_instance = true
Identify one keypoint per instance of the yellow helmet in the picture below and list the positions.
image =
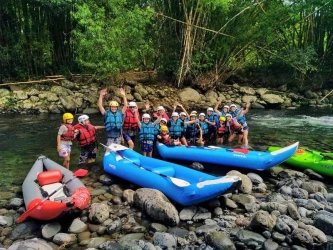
(222, 118)
(67, 116)
(164, 129)
(113, 104)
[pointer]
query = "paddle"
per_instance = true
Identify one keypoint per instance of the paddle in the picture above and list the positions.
(78, 173)
(116, 147)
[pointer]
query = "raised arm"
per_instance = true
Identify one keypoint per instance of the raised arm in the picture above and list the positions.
(247, 108)
(123, 93)
(217, 106)
(182, 107)
(137, 119)
(102, 93)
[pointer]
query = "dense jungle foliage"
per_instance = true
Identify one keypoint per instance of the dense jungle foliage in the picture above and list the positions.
(202, 41)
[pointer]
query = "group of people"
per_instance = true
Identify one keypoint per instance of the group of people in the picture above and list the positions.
(182, 128)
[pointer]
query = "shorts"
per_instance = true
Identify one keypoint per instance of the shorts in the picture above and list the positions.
(88, 153)
(116, 140)
(192, 141)
(147, 146)
(246, 128)
(128, 137)
(221, 135)
(65, 150)
(238, 132)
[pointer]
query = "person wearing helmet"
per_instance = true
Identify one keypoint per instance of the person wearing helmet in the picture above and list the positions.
(203, 122)
(225, 109)
(66, 135)
(130, 124)
(146, 134)
(176, 128)
(210, 119)
(235, 129)
(239, 114)
(164, 137)
(161, 112)
(86, 137)
(193, 132)
(222, 132)
(113, 117)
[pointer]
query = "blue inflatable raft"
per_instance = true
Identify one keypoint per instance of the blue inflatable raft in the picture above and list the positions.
(181, 184)
(236, 157)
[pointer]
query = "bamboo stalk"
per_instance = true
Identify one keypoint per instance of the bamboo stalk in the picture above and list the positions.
(326, 95)
(28, 82)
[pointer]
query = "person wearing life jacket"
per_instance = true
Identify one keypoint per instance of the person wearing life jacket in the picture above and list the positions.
(222, 131)
(211, 121)
(130, 124)
(239, 113)
(193, 133)
(66, 135)
(235, 129)
(225, 109)
(161, 112)
(113, 117)
(204, 127)
(164, 137)
(176, 128)
(147, 134)
(86, 137)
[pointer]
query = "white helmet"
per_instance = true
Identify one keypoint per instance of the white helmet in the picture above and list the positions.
(228, 115)
(182, 113)
(82, 119)
(145, 116)
(194, 112)
(233, 105)
(160, 108)
(210, 109)
(165, 120)
(175, 114)
(202, 114)
(132, 104)
(226, 106)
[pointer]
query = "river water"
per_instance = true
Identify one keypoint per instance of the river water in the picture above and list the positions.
(24, 137)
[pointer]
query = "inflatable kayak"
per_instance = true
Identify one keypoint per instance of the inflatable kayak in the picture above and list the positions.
(318, 161)
(236, 157)
(181, 184)
(44, 185)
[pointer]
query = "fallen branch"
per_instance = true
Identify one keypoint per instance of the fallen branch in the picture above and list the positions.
(326, 95)
(36, 81)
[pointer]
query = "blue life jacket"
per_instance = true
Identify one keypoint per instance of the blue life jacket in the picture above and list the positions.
(204, 127)
(211, 118)
(241, 119)
(192, 130)
(147, 131)
(113, 120)
(156, 129)
(175, 128)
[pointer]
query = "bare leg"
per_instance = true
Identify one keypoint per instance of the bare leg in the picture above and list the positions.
(231, 137)
(183, 141)
(245, 139)
(66, 161)
(150, 154)
(130, 144)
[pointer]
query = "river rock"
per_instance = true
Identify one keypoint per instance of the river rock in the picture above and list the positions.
(96, 242)
(31, 244)
(156, 205)
(189, 95)
(300, 193)
(275, 197)
(50, 229)
(220, 241)
(317, 235)
(106, 180)
(243, 199)
(246, 186)
(114, 226)
(249, 98)
(301, 236)
(4, 92)
(157, 227)
(314, 187)
(197, 166)
(164, 240)
(98, 212)
(272, 98)
(285, 224)
(313, 175)
(6, 195)
(20, 95)
(272, 206)
(255, 178)
(323, 220)
(25, 230)
(77, 226)
(293, 212)
(263, 221)
(61, 238)
(141, 90)
(270, 245)
(187, 213)
(68, 103)
(128, 196)
(116, 190)
(16, 202)
(6, 221)
(199, 216)
(247, 91)
(247, 236)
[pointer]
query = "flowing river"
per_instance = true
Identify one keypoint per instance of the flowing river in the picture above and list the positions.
(24, 137)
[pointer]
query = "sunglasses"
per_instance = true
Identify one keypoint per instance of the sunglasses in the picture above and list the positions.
(132, 107)
(163, 121)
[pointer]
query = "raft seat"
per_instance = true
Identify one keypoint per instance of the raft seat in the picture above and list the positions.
(166, 170)
(59, 195)
(135, 161)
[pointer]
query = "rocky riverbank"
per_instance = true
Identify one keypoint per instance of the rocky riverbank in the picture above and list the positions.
(82, 97)
(284, 209)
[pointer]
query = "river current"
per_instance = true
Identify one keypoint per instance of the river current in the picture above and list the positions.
(24, 137)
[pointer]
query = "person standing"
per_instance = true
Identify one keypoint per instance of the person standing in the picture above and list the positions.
(113, 117)
(66, 135)
(86, 136)
(130, 124)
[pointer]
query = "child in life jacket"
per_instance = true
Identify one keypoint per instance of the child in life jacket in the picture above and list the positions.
(204, 127)
(235, 129)
(146, 134)
(164, 137)
(86, 137)
(176, 128)
(65, 137)
(193, 131)
(221, 130)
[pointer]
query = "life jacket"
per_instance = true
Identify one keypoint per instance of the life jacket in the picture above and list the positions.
(235, 125)
(130, 122)
(192, 130)
(147, 131)
(211, 118)
(113, 120)
(221, 129)
(184, 126)
(204, 127)
(87, 134)
(164, 139)
(156, 129)
(69, 135)
(175, 128)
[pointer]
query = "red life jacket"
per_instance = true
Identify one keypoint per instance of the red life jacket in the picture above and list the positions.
(220, 130)
(165, 139)
(235, 126)
(87, 134)
(130, 122)
(69, 135)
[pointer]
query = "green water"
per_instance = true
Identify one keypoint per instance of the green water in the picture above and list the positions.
(24, 137)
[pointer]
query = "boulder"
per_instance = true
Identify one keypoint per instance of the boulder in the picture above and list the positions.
(156, 205)
(263, 221)
(189, 95)
(246, 186)
(247, 91)
(50, 229)
(35, 243)
(272, 99)
(220, 241)
(164, 240)
(99, 212)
